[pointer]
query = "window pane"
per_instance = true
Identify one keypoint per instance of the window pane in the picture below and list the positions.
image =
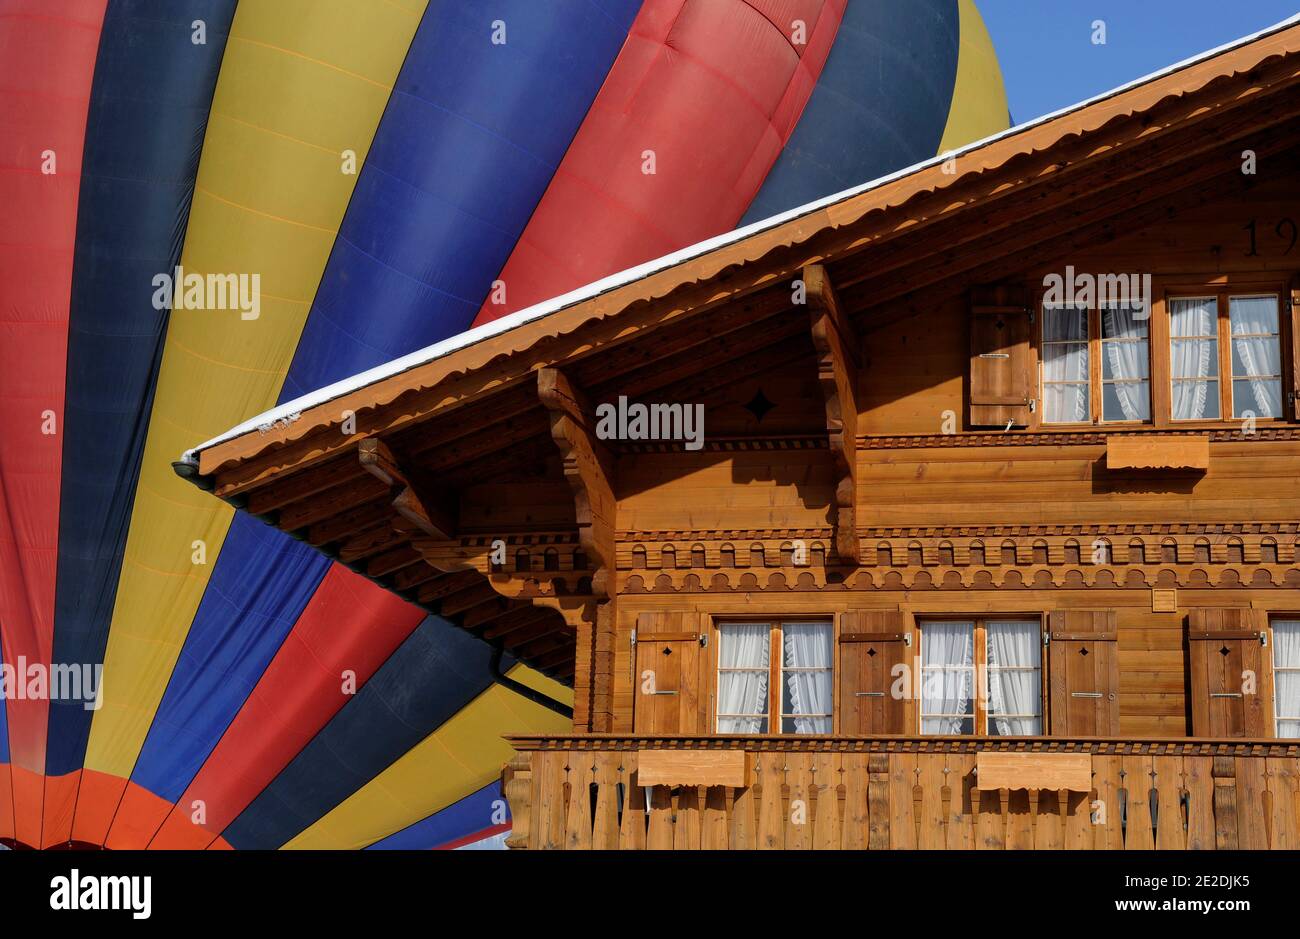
(743, 659)
(1193, 316)
(1262, 397)
(947, 726)
(1194, 358)
(1014, 677)
(742, 725)
(808, 645)
(1125, 360)
(1121, 322)
(807, 686)
(1065, 324)
(1286, 677)
(1064, 404)
(1253, 316)
(1126, 401)
(1196, 400)
(1065, 361)
(1256, 356)
(948, 644)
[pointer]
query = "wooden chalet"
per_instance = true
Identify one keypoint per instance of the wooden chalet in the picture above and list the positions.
(956, 562)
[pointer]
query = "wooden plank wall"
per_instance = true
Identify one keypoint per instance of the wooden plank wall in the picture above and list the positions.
(590, 799)
(1248, 481)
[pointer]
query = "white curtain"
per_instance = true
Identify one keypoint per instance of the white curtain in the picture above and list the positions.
(1065, 359)
(1286, 676)
(1015, 693)
(947, 660)
(743, 646)
(1126, 360)
(809, 646)
(1194, 358)
(1261, 353)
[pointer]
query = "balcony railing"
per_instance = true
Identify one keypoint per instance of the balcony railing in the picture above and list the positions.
(584, 792)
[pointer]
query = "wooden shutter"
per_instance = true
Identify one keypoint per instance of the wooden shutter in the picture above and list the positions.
(1224, 645)
(1083, 673)
(1001, 379)
(668, 679)
(871, 643)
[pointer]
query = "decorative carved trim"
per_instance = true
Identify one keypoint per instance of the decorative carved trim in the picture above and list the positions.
(1081, 531)
(1254, 555)
(794, 580)
(588, 468)
(1063, 438)
(964, 531)
(725, 535)
(1170, 746)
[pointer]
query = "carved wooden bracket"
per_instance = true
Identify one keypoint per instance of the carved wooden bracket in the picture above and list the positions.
(588, 467)
(415, 499)
(516, 784)
(837, 364)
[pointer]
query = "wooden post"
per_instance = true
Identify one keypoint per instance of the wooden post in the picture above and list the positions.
(836, 345)
(878, 802)
(1225, 803)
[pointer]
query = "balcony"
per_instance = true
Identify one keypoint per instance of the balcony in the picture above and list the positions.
(877, 793)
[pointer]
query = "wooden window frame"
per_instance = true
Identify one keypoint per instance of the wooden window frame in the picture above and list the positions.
(1223, 289)
(980, 664)
(1159, 351)
(1269, 681)
(1095, 381)
(775, 666)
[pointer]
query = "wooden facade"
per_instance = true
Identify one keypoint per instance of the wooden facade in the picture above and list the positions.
(877, 457)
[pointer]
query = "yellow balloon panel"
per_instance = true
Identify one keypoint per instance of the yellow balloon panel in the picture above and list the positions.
(979, 99)
(301, 81)
(460, 757)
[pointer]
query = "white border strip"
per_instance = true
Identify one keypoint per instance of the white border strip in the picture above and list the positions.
(290, 411)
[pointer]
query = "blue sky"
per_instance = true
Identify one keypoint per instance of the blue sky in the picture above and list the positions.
(1049, 60)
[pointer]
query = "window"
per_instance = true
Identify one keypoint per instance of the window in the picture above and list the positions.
(1072, 337)
(981, 676)
(1250, 342)
(776, 675)
(1286, 677)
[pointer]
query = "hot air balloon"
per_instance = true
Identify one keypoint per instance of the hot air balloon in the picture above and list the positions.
(393, 172)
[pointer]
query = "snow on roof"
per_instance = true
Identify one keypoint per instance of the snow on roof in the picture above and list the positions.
(291, 410)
